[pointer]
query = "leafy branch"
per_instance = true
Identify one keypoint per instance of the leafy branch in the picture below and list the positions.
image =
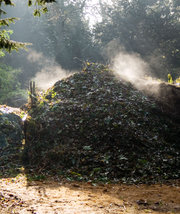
(5, 42)
(7, 21)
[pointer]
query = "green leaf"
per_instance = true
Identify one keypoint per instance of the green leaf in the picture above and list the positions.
(45, 10)
(2, 53)
(87, 148)
(7, 21)
(37, 13)
(29, 3)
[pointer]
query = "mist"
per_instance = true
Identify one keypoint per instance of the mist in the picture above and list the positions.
(132, 68)
(49, 73)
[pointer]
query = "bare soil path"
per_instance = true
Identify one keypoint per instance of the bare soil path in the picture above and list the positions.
(55, 197)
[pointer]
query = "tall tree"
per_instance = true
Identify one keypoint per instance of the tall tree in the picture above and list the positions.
(146, 27)
(67, 34)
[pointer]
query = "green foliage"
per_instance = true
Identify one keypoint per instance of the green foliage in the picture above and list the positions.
(37, 13)
(40, 5)
(9, 45)
(6, 2)
(5, 42)
(53, 94)
(7, 21)
(35, 177)
(10, 87)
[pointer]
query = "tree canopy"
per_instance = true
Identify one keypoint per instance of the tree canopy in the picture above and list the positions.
(5, 42)
(150, 28)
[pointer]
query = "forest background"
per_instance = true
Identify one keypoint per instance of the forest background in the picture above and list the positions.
(72, 32)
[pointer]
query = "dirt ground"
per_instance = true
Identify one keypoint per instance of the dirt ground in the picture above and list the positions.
(17, 195)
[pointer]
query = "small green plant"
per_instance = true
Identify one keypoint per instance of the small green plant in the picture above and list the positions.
(170, 80)
(53, 94)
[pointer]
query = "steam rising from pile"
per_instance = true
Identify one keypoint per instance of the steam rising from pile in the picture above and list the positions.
(48, 76)
(132, 68)
(49, 71)
(129, 67)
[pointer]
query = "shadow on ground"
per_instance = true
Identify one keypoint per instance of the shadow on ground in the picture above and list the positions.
(56, 196)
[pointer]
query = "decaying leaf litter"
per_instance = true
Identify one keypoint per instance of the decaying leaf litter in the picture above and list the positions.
(11, 136)
(93, 126)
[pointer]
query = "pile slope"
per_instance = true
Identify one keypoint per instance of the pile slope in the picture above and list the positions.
(93, 126)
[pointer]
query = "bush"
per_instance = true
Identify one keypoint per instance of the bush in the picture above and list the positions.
(11, 92)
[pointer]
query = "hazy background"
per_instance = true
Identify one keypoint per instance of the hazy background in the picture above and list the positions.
(137, 37)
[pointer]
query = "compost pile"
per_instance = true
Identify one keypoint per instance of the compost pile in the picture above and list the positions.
(93, 126)
(11, 136)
